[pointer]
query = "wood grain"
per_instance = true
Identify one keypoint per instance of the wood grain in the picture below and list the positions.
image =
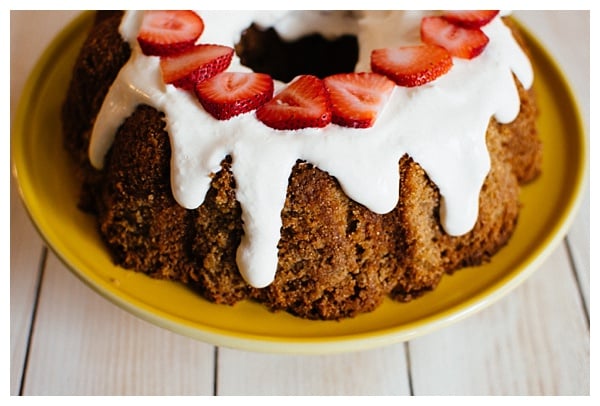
(565, 35)
(84, 345)
(26, 255)
(26, 247)
(518, 346)
(375, 372)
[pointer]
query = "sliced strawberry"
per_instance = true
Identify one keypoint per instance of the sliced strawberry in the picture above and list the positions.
(470, 18)
(302, 103)
(196, 64)
(231, 93)
(466, 43)
(357, 98)
(411, 65)
(169, 32)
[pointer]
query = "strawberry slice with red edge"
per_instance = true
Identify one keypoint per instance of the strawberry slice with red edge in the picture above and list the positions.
(303, 103)
(357, 98)
(470, 18)
(411, 66)
(169, 32)
(199, 63)
(229, 94)
(466, 43)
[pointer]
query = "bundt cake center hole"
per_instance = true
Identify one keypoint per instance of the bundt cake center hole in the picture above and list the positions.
(263, 50)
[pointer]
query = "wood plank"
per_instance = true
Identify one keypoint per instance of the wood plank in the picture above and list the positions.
(25, 244)
(374, 372)
(25, 253)
(85, 345)
(535, 341)
(566, 36)
(578, 239)
(30, 34)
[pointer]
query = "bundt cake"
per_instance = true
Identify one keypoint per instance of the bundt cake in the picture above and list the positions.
(316, 162)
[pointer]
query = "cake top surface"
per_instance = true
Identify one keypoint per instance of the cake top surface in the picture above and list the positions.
(441, 125)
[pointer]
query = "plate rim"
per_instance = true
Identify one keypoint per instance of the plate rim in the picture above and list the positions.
(309, 345)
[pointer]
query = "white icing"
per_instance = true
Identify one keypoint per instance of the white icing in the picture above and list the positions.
(441, 125)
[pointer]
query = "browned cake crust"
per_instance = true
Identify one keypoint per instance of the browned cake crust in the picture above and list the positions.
(336, 258)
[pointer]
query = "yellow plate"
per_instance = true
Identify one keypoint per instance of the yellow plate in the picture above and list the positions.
(49, 191)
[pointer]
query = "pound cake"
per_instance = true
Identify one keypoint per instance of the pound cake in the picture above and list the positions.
(316, 162)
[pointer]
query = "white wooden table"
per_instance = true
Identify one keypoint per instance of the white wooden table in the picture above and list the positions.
(65, 339)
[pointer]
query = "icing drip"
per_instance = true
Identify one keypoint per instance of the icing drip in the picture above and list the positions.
(441, 125)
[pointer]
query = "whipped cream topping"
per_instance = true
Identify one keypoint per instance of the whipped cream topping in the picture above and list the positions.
(441, 125)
